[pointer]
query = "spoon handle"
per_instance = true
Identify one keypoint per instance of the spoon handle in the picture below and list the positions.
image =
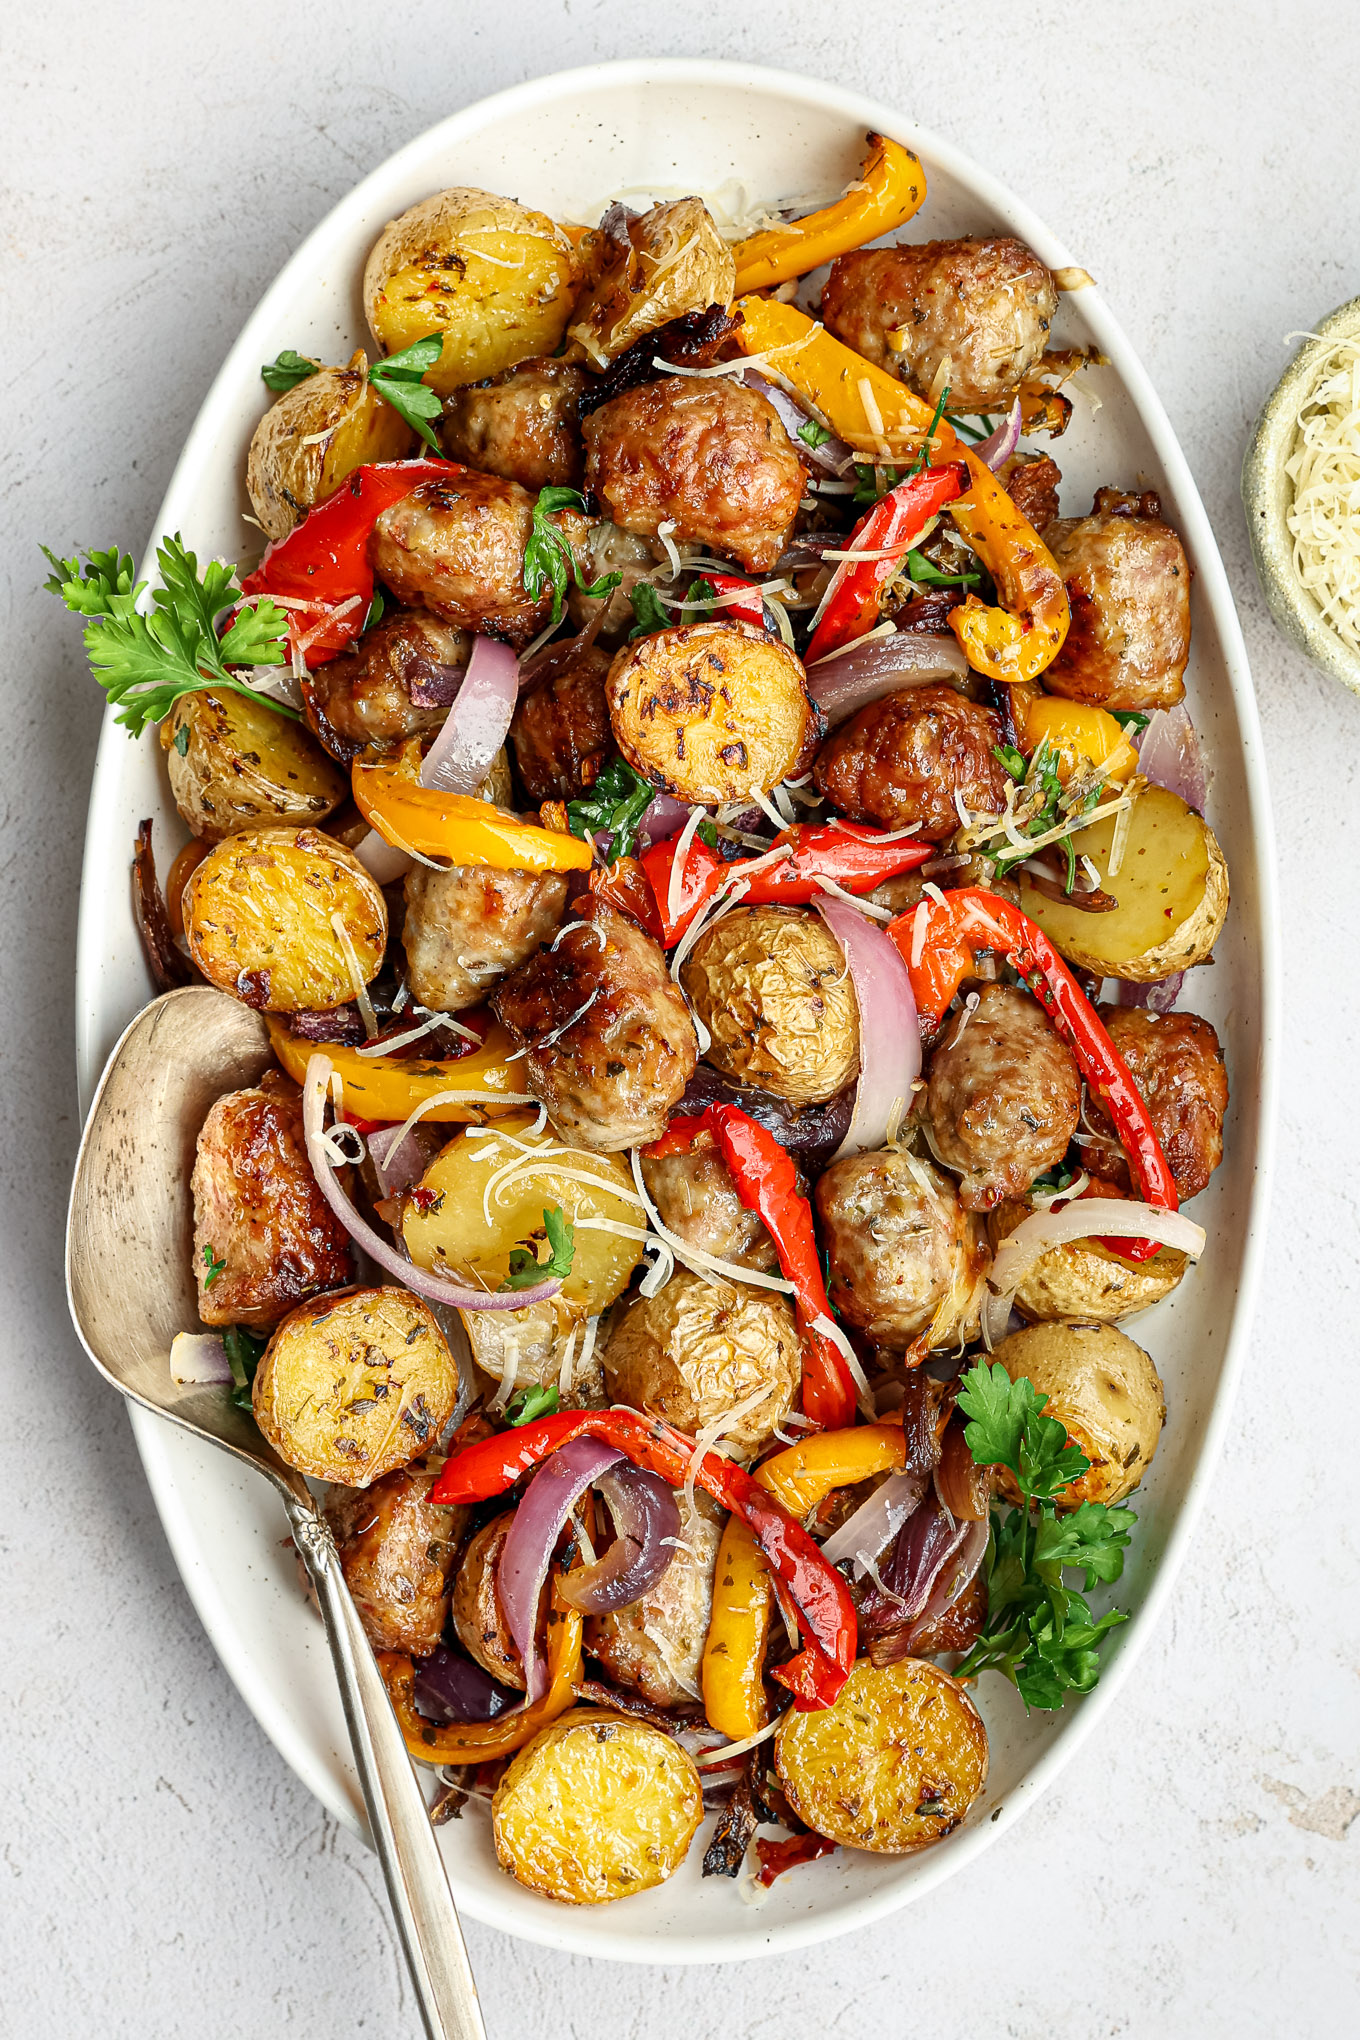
(427, 1919)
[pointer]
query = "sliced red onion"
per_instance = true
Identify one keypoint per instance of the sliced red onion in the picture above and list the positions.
(432, 685)
(562, 653)
(1158, 997)
(876, 1522)
(434, 1288)
(451, 1688)
(834, 455)
(476, 726)
(382, 860)
(199, 1360)
(665, 818)
(646, 1523)
(1170, 754)
(951, 1584)
(400, 1163)
(889, 1033)
(807, 548)
(537, 1523)
(850, 680)
(997, 450)
(925, 1545)
(1083, 1219)
(811, 1132)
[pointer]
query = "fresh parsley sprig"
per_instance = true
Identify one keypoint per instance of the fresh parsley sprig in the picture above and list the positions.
(617, 802)
(398, 379)
(526, 1270)
(530, 1403)
(289, 369)
(549, 561)
(1039, 1633)
(244, 1354)
(648, 609)
(145, 663)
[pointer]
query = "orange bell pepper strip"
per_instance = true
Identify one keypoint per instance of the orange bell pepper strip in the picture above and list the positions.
(1076, 732)
(865, 406)
(422, 821)
(1025, 635)
(386, 1089)
(938, 940)
(816, 1466)
(731, 1676)
(890, 190)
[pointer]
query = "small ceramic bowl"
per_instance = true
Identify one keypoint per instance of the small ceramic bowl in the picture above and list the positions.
(1267, 493)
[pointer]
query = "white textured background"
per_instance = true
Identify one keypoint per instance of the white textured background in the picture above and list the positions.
(1197, 1871)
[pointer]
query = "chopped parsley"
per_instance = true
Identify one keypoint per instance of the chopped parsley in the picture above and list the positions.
(549, 561)
(244, 1354)
(649, 611)
(1131, 720)
(920, 569)
(814, 435)
(526, 1270)
(213, 1266)
(924, 455)
(400, 381)
(617, 802)
(1044, 804)
(288, 369)
(531, 1403)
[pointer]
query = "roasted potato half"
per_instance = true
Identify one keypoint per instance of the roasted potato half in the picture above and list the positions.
(770, 985)
(697, 1348)
(234, 764)
(497, 279)
(313, 436)
(545, 1342)
(710, 712)
(355, 1384)
(1084, 1279)
(282, 919)
(893, 1766)
(652, 268)
(1105, 1392)
(486, 1193)
(596, 1807)
(1172, 889)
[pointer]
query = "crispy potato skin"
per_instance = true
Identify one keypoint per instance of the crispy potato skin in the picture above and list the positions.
(771, 986)
(257, 1208)
(525, 426)
(456, 548)
(986, 303)
(1003, 1097)
(397, 1549)
(1177, 1064)
(360, 704)
(477, 1619)
(1084, 1279)
(288, 468)
(711, 712)
(560, 730)
(531, 1345)
(894, 1766)
(610, 1078)
(1128, 583)
(655, 1646)
(356, 1384)
(467, 927)
(900, 761)
(709, 456)
(497, 278)
(903, 1255)
(596, 1807)
(697, 1348)
(242, 766)
(257, 918)
(636, 286)
(1106, 1393)
(698, 1200)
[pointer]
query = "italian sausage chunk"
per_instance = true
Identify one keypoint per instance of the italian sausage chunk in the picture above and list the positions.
(1128, 583)
(456, 548)
(523, 427)
(466, 927)
(397, 1549)
(698, 1201)
(903, 1255)
(560, 730)
(399, 680)
(655, 1645)
(478, 1622)
(1003, 1097)
(1176, 1062)
(905, 760)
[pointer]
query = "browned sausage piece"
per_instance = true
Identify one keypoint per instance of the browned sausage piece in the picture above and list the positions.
(560, 732)
(1031, 481)
(698, 1200)
(1128, 582)
(611, 1042)
(902, 759)
(1177, 1064)
(264, 1236)
(984, 304)
(1003, 1097)
(397, 1551)
(399, 680)
(524, 426)
(709, 457)
(466, 927)
(901, 1252)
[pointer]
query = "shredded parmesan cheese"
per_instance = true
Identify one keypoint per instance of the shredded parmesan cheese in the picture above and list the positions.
(726, 1751)
(356, 977)
(829, 1329)
(1324, 517)
(707, 1440)
(664, 532)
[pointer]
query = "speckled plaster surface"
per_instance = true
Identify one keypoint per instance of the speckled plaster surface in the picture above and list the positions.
(1197, 1869)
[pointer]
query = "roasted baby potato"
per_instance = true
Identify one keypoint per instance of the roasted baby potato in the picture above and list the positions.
(263, 914)
(314, 435)
(446, 1226)
(1105, 1392)
(1172, 889)
(234, 764)
(710, 712)
(355, 1384)
(770, 985)
(480, 1626)
(655, 1646)
(698, 1348)
(893, 1766)
(1084, 1279)
(497, 279)
(649, 268)
(396, 1550)
(545, 1342)
(596, 1807)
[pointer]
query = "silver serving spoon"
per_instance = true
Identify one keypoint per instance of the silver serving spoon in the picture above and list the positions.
(129, 1278)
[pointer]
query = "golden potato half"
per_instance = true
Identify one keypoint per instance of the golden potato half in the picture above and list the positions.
(698, 1348)
(1105, 1392)
(263, 915)
(710, 712)
(770, 985)
(893, 1766)
(1172, 889)
(596, 1807)
(672, 261)
(483, 1195)
(496, 278)
(234, 764)
(355, 1384)
(314, 435)
(1083, 1279)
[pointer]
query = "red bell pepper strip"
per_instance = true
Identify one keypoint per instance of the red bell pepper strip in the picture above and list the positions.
(891, 528)
(324, 559)
(938, 952)
(820, 1596)
(751, 607)
(767, 1183)
(855, 859)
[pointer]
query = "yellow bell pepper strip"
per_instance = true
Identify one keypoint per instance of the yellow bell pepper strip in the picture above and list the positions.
(425, 822)
(738, 1630)
(1077, 734)
(813, 1468)
(384, 1090)
(865, 406)
(891, 189)
(1025, 635)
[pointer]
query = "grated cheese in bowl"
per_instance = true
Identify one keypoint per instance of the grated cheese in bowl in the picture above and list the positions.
(1324, 517)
